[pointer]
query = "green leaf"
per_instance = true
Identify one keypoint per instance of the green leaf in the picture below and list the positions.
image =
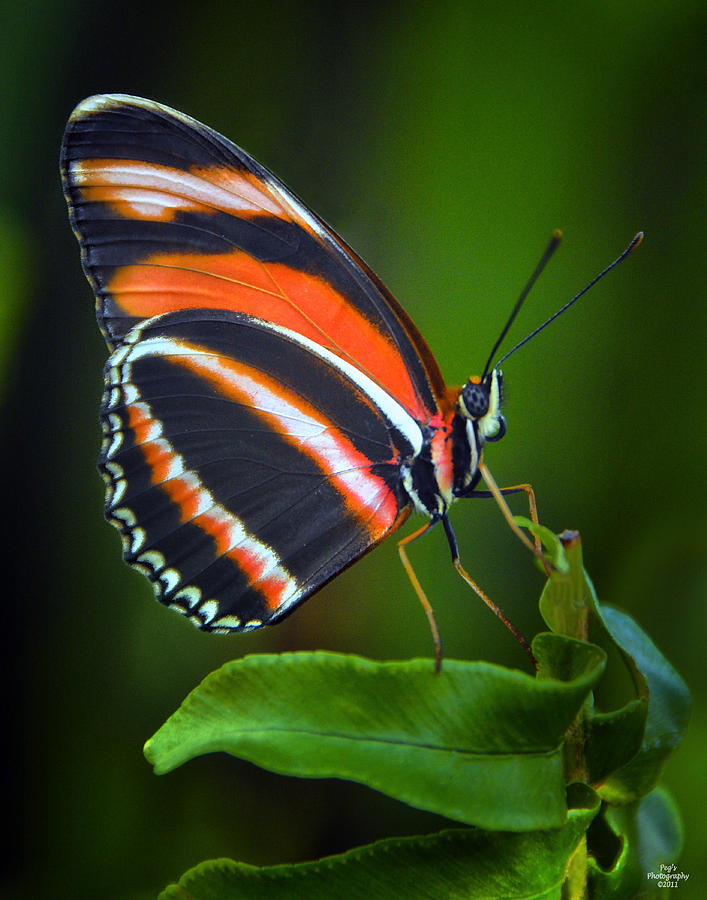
(457, 863)
(477, 743)
(613, 739)
(567, 660)
(625, 748)
(552, 543)
(602, 741)
(645, 835)
(563, 602)
(559, 657)
(668, 708)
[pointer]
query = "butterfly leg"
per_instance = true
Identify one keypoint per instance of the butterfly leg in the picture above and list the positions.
(482, 595)
(422, 597)
(498, 494)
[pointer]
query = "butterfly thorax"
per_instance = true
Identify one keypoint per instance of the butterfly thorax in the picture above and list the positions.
(447, 466)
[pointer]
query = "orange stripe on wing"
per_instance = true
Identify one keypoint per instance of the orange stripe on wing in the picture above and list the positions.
(196, 505)
(366, 496)
(143, 191)
(303, 302)
(147, 191)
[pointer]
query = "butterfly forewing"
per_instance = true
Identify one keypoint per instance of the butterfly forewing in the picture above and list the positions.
(244, 470)
(171, 215)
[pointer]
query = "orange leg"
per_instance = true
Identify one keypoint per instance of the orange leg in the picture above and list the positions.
(527, 489)
(496, 610)
(429, 612)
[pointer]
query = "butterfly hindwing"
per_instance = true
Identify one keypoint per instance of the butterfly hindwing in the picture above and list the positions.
(245, 465)
(171, 215)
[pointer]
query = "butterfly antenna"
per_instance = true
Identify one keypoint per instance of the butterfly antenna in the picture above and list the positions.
(544, 260)
(619, 259)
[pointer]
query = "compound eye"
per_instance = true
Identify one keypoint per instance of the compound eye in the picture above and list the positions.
(501, 422)
(476, 399)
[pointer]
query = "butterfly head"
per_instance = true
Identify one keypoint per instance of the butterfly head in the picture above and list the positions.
(480, 401)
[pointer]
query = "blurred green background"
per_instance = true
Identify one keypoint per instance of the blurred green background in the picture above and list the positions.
(444, 142)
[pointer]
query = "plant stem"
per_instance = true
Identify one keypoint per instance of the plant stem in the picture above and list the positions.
(575, 884)
(574, 619)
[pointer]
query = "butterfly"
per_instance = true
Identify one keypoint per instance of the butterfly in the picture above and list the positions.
(270, 413)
